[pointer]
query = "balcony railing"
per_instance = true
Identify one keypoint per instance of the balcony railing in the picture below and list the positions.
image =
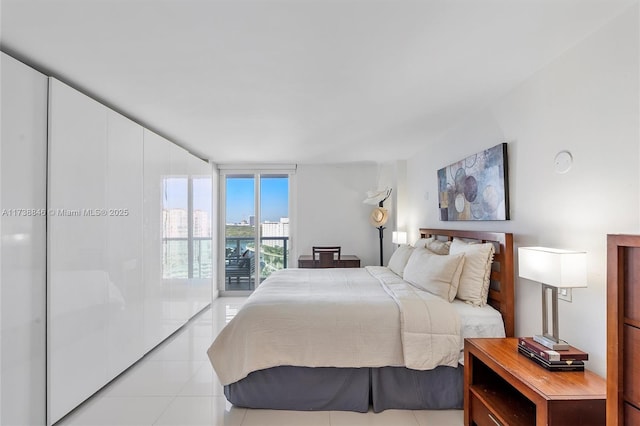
(238, 245)
(273, 256)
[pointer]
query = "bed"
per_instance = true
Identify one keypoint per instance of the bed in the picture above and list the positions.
(355, 339)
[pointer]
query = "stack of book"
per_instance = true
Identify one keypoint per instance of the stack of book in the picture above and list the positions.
(571, 359)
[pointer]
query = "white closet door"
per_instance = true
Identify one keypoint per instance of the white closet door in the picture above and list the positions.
(81, 293)
(199, 292)
(23, 165)
(157, 289)
(96, 282)
(124, 241)
(176, 207)
(172, 294)
(215, 219)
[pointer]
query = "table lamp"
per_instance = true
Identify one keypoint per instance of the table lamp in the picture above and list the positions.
(399, 237)
(553, 268)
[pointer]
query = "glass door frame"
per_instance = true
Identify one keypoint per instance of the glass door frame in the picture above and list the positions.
(258, 172)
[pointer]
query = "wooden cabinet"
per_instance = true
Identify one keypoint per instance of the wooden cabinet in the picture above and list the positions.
(346, 261)
(623, 329)
(503, 387)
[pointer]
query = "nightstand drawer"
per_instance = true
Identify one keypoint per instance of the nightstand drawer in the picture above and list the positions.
(631, 258)
(631, 415)
(631, 385)
(481, 415)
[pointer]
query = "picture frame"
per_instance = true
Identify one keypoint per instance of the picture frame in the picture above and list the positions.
(476, 187)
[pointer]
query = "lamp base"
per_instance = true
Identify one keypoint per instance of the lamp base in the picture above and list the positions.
(560, 345)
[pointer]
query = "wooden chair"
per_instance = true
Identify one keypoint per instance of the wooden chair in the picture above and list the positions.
(239, 267)
(325, 256)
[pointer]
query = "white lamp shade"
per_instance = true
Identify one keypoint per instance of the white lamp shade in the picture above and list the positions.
(399, 237)
(554, 267)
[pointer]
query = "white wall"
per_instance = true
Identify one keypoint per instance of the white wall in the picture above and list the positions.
(586, 102)
(330, 210)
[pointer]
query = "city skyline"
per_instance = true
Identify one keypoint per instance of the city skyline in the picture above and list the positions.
(248, 221)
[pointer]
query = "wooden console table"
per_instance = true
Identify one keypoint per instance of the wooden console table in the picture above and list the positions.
(346, 261)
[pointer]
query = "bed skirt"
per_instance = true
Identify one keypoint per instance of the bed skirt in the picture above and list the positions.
(349, 389)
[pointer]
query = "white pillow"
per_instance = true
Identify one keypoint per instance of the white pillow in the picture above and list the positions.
(421, 243)
(399, 259)
(435, 273)
(436, 246)
(476, 272)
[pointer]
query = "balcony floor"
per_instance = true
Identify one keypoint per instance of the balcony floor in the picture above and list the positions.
(239, 284)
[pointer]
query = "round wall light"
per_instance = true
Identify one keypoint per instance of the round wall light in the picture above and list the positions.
(563, 162)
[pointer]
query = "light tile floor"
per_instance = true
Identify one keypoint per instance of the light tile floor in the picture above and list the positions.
(176, 385)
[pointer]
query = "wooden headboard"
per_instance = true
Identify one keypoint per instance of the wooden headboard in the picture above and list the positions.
(501, 292)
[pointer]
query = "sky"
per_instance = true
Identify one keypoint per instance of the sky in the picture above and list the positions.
(274, 200)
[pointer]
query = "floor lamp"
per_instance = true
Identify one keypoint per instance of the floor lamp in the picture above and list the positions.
(379, 215)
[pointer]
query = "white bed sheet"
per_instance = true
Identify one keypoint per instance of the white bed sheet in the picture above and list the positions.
(478, 321)
(292, 303)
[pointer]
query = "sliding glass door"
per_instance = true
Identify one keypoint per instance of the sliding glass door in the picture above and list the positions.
(240, 232)
(256, 227)
(274, 223)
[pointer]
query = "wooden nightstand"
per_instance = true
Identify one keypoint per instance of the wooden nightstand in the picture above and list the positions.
(503, 387)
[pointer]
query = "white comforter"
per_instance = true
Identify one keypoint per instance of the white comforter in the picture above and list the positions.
(364, 317)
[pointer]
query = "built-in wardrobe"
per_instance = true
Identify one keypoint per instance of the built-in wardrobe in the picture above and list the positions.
(119, 266)
(23, 195)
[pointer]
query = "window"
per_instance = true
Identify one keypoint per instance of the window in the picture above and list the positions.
(256, 227)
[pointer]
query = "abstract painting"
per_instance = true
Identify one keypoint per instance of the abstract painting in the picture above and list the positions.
(475, 188)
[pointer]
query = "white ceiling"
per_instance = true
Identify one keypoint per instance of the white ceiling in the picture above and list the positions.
(297, 81)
